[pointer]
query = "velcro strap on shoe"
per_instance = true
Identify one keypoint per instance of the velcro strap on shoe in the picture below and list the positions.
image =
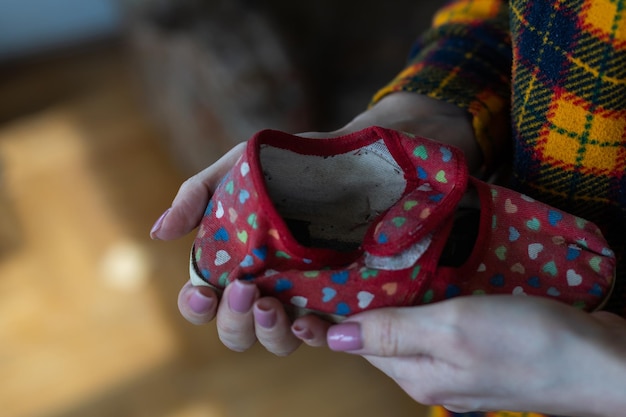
(440, 181)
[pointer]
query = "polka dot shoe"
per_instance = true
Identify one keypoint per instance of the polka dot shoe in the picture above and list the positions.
(373, 219)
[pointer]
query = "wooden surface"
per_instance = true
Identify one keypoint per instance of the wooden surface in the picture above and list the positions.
(88, 318)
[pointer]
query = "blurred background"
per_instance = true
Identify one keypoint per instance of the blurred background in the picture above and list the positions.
(106, 106)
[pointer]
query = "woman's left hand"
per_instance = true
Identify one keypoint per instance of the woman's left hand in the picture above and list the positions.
(496, 353)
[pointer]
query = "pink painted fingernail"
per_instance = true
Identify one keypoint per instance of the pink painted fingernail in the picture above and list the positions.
(265, 317)
(302, 333)
(157, 225)
(345, 337)
(241, 296)
(200, 303)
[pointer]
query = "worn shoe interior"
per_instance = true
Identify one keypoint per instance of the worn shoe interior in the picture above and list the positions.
(330, 201)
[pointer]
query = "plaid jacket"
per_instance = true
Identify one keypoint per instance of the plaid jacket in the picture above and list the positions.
(545, 82)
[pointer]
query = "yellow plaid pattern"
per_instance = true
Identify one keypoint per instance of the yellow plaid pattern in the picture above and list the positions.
(442, 412)
(466, 11)
(575, 141)
(545, 82)
(599, 17)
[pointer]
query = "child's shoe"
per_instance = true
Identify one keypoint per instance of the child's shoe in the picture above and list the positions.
(373, 219)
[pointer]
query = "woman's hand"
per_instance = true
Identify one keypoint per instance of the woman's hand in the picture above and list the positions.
(496, 353)
(243, 316)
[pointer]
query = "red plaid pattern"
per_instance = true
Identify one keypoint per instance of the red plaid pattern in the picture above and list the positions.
(546, 79)
(545, 82)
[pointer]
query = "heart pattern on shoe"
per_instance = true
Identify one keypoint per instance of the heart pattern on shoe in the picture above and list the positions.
(523, 248)
(562, 251)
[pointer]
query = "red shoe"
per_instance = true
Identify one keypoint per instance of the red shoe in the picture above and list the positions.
(369, 220)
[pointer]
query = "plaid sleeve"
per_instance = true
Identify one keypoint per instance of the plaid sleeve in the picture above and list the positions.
(465, 59)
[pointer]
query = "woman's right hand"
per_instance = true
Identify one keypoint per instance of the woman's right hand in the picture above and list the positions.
(242, 316)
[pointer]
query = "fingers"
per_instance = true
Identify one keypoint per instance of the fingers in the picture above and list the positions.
(393, 332)
(442, 330)
(197, 304)
(381, 333)
(311, 330)
(243, 318)
(192, 198)
(235, 319)
(272, 327)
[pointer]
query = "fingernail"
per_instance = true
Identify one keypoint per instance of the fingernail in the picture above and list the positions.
(200, 303)
(345, 337)
(157, 225)
(265, 317)
(302, 333)
(241, 296)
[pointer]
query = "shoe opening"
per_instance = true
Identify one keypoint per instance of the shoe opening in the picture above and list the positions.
(331, 201)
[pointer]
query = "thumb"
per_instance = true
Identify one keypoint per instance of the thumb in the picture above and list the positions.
(391, 332)
(192, 198)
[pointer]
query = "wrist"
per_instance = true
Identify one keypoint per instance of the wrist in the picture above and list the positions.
(598, 370)
(610, 381)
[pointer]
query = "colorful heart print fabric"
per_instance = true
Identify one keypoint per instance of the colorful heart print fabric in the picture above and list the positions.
(524, 247)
